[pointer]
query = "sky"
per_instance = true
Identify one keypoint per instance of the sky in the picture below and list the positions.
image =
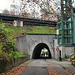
(5, 4)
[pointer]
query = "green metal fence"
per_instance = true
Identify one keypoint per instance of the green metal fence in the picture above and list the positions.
(65, 23)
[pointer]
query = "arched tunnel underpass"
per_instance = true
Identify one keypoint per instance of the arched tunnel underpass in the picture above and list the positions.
(37, 51)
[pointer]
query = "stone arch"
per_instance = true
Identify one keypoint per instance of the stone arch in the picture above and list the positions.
(45, 43)
(37, 51)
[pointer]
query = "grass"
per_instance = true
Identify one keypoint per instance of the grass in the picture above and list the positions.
(65, 59)
(19, 54)
(15, 31)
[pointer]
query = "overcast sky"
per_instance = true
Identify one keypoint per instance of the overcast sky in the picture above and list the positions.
(5, 4)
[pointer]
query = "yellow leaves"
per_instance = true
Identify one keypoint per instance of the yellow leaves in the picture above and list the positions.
(3, 25)
(61, 3)
(14, 40)
(0, 51)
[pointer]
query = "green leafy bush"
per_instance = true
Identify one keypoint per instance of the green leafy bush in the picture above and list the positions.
(16, 54)
(8, 47)
(7, 58)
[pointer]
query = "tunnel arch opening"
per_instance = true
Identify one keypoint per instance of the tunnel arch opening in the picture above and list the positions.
(37, 51)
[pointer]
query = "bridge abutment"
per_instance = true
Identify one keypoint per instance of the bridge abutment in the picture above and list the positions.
(33, 43)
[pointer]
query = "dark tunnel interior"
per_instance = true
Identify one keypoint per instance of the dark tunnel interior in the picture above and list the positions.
(37, 51)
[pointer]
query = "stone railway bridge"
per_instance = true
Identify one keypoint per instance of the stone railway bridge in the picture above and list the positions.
(32, 44)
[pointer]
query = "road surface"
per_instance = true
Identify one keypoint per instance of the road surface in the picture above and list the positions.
(45, 67)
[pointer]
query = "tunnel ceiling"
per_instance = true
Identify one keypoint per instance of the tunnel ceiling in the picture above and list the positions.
(37, 51)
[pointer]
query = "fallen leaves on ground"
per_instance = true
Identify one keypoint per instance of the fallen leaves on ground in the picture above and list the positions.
(15, 71)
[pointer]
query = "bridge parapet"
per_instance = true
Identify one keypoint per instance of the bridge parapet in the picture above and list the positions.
(27, 21)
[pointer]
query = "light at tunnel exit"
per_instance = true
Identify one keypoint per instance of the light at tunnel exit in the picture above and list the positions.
(44, 53)
(37, 52)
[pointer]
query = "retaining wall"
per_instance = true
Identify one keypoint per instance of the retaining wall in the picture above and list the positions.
(4, 66)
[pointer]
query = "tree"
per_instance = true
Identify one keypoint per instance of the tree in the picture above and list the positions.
(43, 6)
(6, 11)
(12, 12)
(30, 7)
(46, 7)
(25, 14)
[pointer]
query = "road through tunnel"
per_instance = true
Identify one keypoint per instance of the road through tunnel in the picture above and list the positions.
(38, 50)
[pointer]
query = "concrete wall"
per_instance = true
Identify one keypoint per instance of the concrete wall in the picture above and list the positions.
(34, 40)
(21, 44)
(65, 50)
(55, 46)
(27, 43)
(5, 66)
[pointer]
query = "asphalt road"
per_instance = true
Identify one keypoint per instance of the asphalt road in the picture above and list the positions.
(36, 67)
(46, 67)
